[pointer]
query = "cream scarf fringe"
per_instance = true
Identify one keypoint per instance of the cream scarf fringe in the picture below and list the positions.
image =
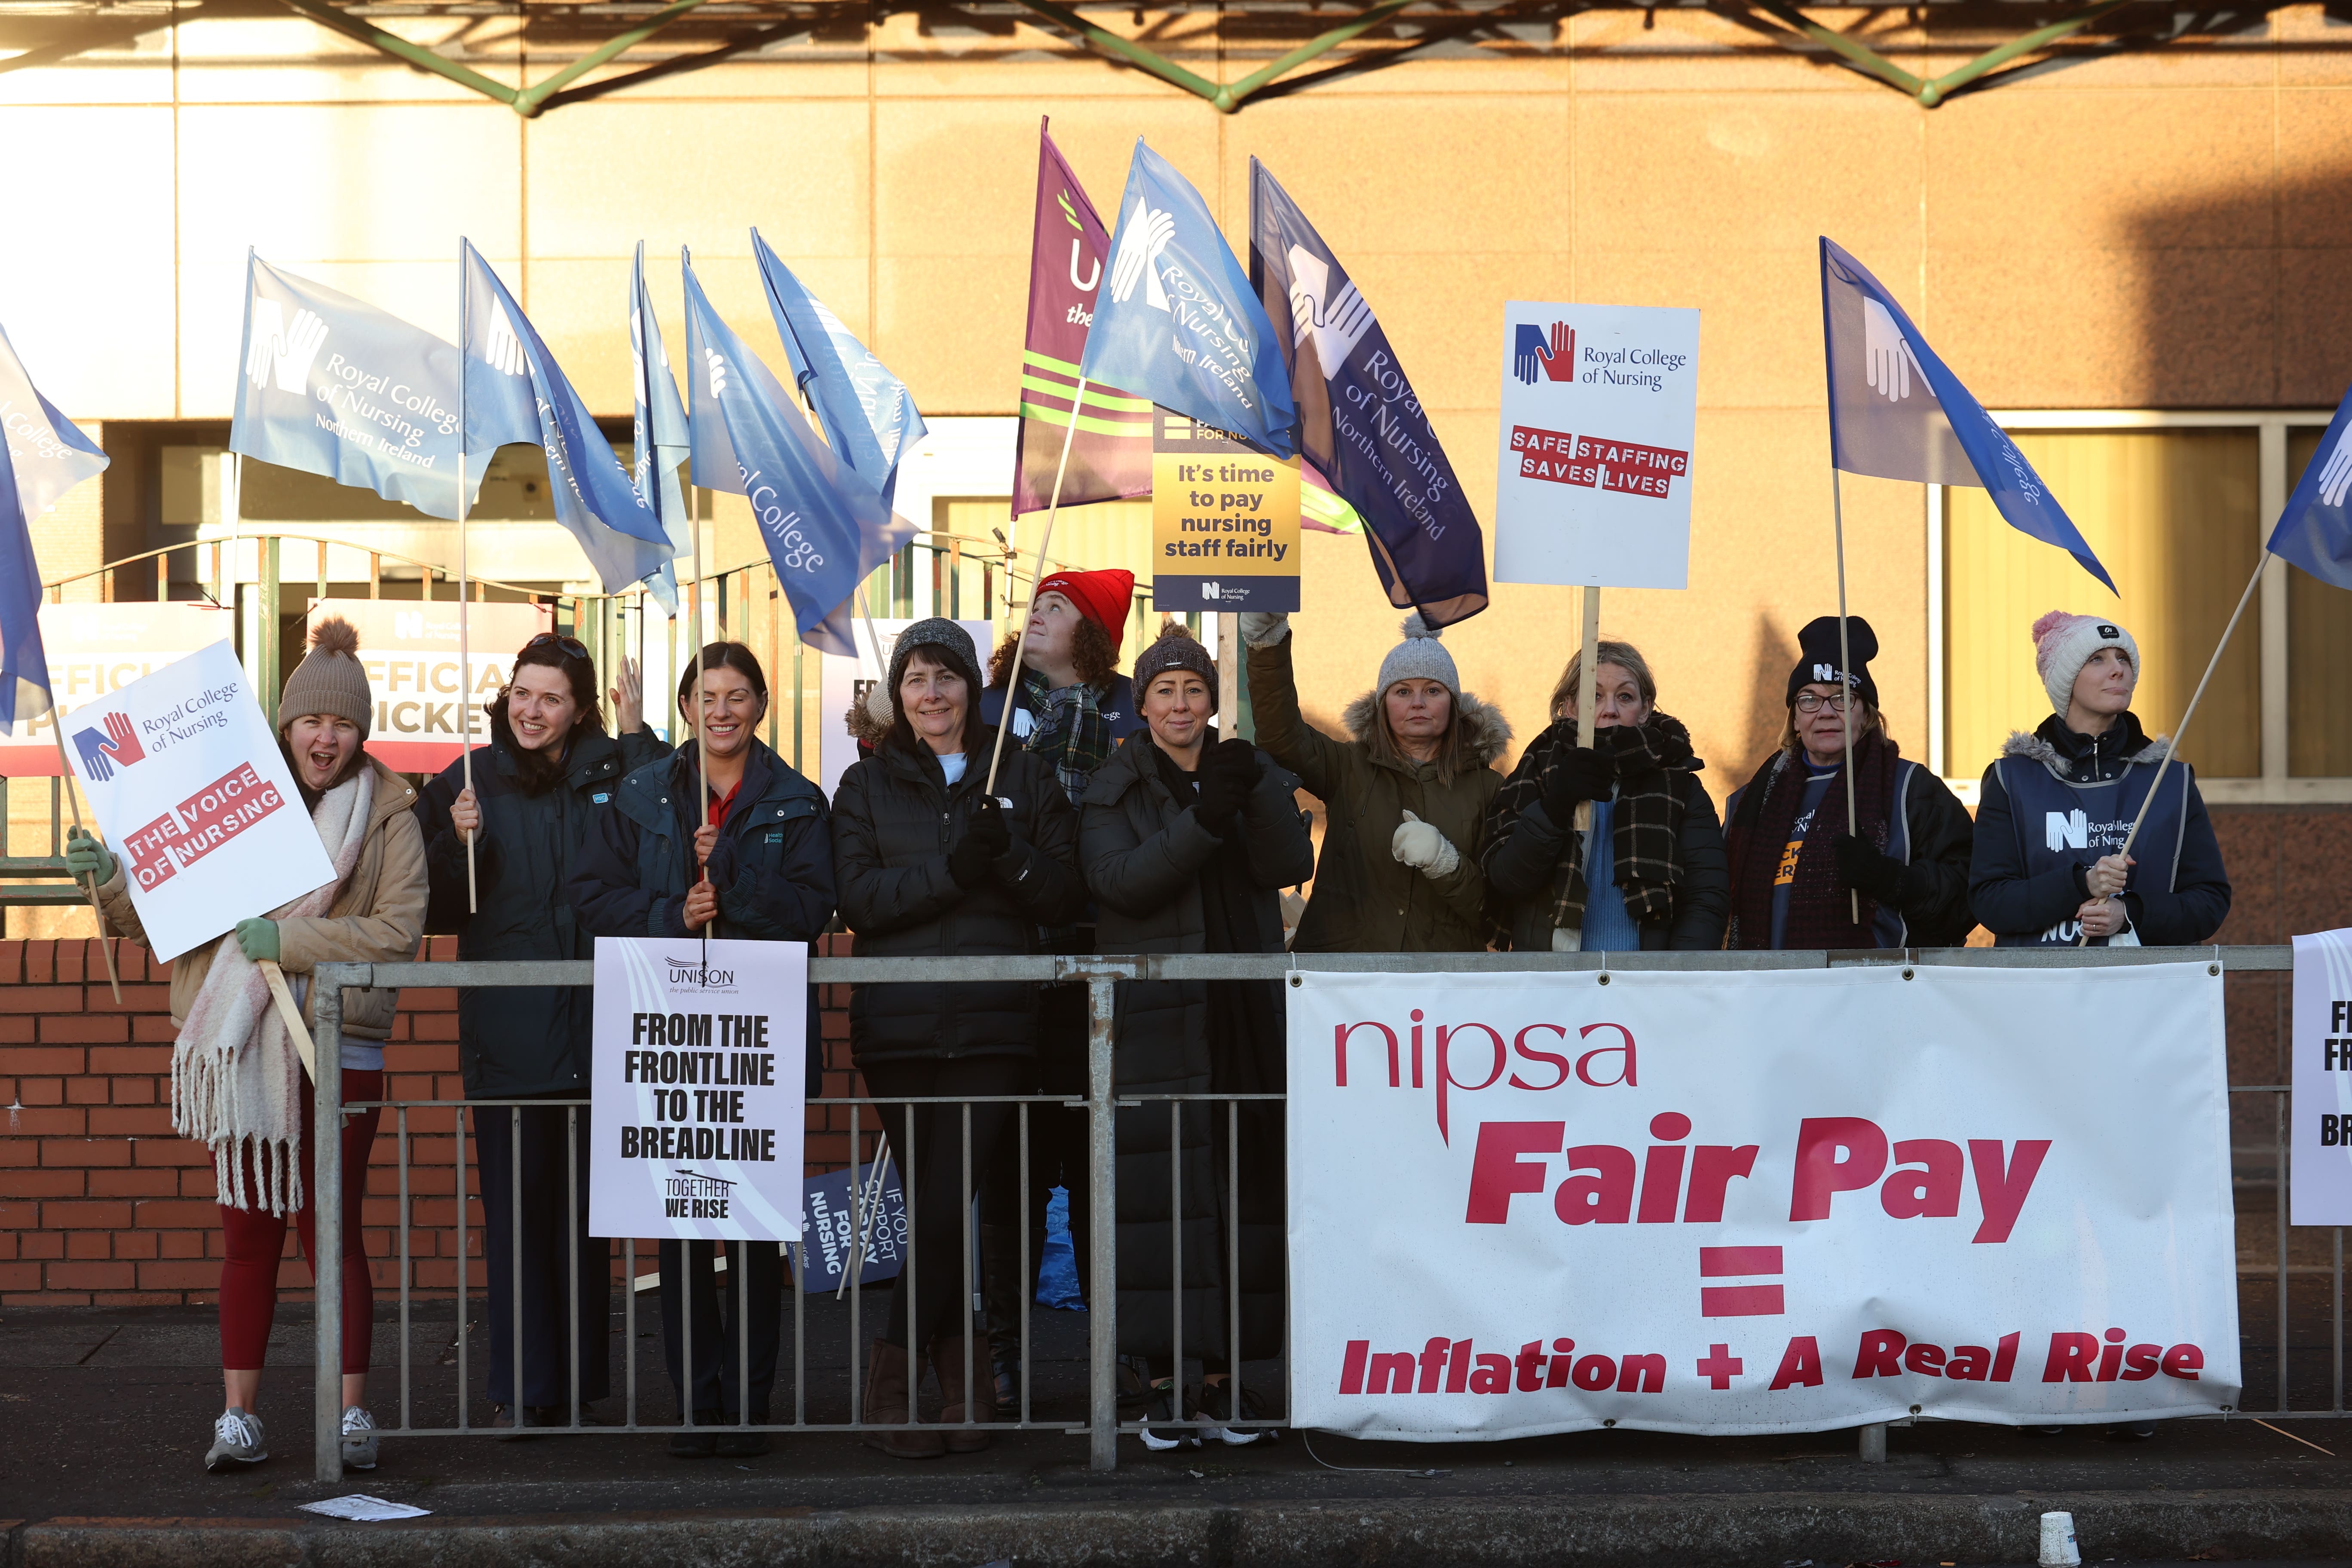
(236, 1081)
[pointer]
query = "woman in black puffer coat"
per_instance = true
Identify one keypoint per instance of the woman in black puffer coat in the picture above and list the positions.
(540, 787)
(1187, 843)
(930, 864)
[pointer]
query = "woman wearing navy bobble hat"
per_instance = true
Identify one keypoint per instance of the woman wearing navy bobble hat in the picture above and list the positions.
(2057, 804)
(1801, 874)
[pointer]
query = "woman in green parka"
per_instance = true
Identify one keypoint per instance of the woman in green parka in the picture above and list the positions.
(1405, 795)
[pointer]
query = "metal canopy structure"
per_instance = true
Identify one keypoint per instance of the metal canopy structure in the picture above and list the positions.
(1993, 39)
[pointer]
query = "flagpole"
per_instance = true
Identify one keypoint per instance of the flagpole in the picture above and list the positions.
(1587, 699)
(465, 641)
(1845, 667)
(65, 769)
(701, 731)
(2262, 560)
(1037, 574)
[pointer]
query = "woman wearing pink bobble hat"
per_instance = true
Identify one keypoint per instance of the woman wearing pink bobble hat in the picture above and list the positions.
(2057, 804)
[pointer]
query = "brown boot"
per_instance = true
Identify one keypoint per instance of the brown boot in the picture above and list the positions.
(947, 1365)
(888, 1402)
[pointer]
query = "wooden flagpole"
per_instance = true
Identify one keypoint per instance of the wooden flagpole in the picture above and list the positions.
(65, 770)
(1845, 669)
(1036, 576)
(464, 641)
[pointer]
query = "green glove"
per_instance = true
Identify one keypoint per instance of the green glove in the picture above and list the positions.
(259, 938)
(87, 858)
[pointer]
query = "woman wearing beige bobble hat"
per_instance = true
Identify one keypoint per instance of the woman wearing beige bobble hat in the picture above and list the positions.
(236, 1083)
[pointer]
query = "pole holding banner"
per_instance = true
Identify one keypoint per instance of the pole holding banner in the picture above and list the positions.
(1845, 676)
(65, 772)
(1036, 576)
(465, 643)
(1587, 702)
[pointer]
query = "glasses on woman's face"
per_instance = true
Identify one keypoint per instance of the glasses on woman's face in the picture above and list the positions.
(572, 647)
(1810, 701)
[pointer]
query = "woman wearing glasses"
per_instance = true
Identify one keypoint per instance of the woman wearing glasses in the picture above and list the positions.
(1802, 876)
(538, 787)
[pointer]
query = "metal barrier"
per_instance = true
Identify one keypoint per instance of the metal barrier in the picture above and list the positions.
(1100, 975)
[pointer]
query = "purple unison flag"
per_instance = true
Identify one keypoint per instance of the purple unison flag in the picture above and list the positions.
(1111, 452)
(1897, 412)
(2315, 528)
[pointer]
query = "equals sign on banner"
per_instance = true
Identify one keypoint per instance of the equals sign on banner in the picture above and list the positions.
(1738, 1300)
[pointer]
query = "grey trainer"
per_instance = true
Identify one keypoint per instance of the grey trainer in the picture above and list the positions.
(237, 1441)
(359, 1439)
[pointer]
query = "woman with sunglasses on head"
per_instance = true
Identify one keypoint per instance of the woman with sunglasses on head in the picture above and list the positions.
(548, 773)
(744, 854)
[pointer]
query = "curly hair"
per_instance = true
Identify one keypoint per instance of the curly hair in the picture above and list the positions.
(1093, 653)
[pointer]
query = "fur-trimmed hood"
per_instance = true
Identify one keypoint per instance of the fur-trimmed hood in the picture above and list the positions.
(2034, 749)
(1484, 728)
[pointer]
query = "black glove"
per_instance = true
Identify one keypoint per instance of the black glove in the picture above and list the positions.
(1239, 758)
(1582, 773)
(1223, 790)
(973, 861)
(1867, 869)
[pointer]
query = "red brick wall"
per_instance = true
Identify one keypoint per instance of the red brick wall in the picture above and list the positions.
(102, 1205)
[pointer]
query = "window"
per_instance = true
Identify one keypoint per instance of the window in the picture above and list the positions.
(2177, 506)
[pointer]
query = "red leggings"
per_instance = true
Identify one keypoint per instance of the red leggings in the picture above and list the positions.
(257, 1239)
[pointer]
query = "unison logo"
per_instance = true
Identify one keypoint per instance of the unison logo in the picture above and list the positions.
(682, 973)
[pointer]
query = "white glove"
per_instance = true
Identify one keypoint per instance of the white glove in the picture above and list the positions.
(1418, 845)
(1264, 629)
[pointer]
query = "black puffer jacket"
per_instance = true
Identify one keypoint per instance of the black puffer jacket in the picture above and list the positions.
(517, 1040)
(1143, 851)
(894, 820)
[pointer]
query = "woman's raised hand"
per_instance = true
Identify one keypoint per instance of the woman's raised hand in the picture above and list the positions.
(628, 699)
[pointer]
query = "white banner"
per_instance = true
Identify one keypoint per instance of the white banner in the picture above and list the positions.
(95, 650)
(2321, 1107)
(1764, 1202)
(697, 1096)
(188, 785)
(1599, 411)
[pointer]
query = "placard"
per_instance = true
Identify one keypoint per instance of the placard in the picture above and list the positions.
(697, 1093)
(842, 681)
(2321, 1104)
(409, 649)
(1780, 1201)
(1224, 521)
(95, 650)
(1600, 410)
(189, 787)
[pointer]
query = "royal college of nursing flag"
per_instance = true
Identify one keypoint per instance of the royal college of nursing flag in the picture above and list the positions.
(2315, 529)
(825, 529)
(1177, 320)
(1359, 421)
(516, 393)
(333, 387)
(42, 457)
(658, 431)
(869, 417)
(1897, 412)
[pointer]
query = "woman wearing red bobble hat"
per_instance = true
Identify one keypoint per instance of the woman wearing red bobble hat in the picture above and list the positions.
(1073, 708)
(2056, 805)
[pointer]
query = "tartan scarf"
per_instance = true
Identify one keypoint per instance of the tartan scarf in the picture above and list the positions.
(1070, 730)
(1820, 914)
(1645, 831)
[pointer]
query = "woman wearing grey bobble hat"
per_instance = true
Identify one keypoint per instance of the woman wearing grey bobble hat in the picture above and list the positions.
(1406, 794)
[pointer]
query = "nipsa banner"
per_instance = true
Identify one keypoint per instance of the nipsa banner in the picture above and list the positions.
(1764, 1202)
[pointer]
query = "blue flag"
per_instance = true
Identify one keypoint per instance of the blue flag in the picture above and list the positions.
(658, 431)
(825, 531)
(1359, 421)
(516, 393)
(42, 457)
(2314, 530)
(869, 417)
(1179, 323)
(333, 387)
(1896, 412)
